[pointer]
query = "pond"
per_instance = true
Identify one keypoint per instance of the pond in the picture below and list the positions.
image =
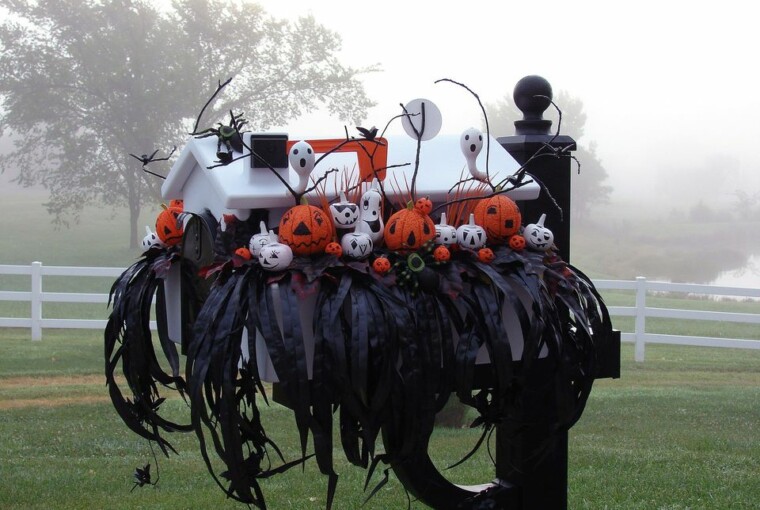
(746, 276)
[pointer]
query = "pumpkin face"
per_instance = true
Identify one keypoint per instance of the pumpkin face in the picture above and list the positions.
(345, 214)
(275, 256)
(258, 240)
(517, 242)
(486, 255)
(381, 265)
(306, 229)
(357, 245)
(470, 235)
(370, 213)
(441, 254)
(445, 234)
(537, 236)
(499, 216)
(151, 240)
(424, 205)
(334, 248)
(169, 228)
(408, 229)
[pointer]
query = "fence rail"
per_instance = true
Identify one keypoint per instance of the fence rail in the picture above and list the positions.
(640, 311)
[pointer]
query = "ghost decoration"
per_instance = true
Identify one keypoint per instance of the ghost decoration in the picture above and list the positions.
(275, 256)
(357, 245)
(445, 234)
(345, 214)
(471, 143)
(301, 157)
(151, 240)
(258, 240)
(370, 213)
(470, 235)
(537, 236)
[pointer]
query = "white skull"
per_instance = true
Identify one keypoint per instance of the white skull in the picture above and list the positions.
(275, 256)
(151, 240)
(470, 235)
(445, 234)
(537, 236)
(357, 245)
(345, 214)
(258, 240)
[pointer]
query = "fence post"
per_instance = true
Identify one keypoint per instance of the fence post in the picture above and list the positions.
(36, 301)
(640, 322)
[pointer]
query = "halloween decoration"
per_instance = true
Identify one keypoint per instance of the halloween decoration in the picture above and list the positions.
(424, 205)
(306, 229)
(441, 254)
(408, 229)
(445, 234)
(517, 242)
(371, 214)
(169, 227)
(486, 255)
(244, 253)
(334, 248)
(302, 160)
(345, 214)
(381, 265)
(499, 216)
(471, 143)
(151, 240)
(470, 235)
(275, 256)
(357, 245)
(258, 241)
(537, 236)
(228, 137)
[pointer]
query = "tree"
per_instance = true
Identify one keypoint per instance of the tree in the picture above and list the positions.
(84, 83)
(588, 186)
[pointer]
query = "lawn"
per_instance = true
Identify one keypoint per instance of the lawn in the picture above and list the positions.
(679, 431)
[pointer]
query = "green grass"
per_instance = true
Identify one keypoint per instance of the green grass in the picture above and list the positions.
(679, 431)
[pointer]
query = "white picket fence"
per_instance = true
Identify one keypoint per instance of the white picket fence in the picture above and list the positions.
(640, 311)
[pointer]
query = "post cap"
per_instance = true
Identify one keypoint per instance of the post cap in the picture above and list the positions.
(532, 95)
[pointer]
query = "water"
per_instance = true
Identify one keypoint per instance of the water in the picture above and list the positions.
(747, 276)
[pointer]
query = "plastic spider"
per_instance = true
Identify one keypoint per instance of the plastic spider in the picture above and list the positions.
(228, 138)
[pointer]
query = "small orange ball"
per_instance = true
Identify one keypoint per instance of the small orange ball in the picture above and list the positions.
(244, 253)
(381, 265)
(486, 255)
(334, 248)
(442, 254)
(517, 242)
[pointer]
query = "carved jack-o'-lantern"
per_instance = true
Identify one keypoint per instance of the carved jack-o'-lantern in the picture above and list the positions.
(151, 240)
(381, 265)
(357, 245)
(441, 254)
(258, 240)
(424, 205)
(537, 236)
(371, 213)
(334, 248)
(345, 214)
(486, 255)
(408, 229)
(517, 242)
(275, 256)
(470, 235)
(306, 229)
(169, 228)
(499, 216)
(445, 234)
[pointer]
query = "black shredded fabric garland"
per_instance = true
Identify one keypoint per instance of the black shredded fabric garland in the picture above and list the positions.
(387, 354)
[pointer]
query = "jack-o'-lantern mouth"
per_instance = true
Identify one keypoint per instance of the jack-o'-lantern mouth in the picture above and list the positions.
(374, 225)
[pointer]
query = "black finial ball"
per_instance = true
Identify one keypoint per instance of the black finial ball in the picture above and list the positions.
(528, 96)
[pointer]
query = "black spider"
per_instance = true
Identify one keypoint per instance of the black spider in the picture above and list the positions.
(228, 138)
(146, 160)
(142, 477)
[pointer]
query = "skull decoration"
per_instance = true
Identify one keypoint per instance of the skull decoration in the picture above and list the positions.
(470, 235)
(151, 240)
(302, 160)
(275, 256)
(445, 234)
(537, 236)
(370, 213)
(357, 245)
(258, 240)
(345, 214)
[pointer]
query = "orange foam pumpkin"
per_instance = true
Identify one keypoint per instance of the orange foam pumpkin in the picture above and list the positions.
(408, 229)
(517, 242)
(381, 265)
(486, 255)
(334, 248)
(424, 205)
(169, 228)
(499, 216)
(306, 229)
(441, 254)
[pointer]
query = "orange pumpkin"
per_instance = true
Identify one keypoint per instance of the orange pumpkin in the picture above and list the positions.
(243, 253)
(517, 242)
(499, 216)
(424, 205)
(486, 255)
(306, 229)
(441, 254)
(381, 265)
(169, 228)
(334, 248)
(408, 229)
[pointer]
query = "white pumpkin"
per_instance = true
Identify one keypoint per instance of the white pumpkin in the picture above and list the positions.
(151, 240)
(275, 256)
(345, 214)
(445, 234)
(370, 213)
(537, 236)
(258, 240)
(357, 245)
(470, 235)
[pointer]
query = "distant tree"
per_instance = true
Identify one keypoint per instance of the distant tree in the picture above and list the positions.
(84, 83)
(588, 187)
